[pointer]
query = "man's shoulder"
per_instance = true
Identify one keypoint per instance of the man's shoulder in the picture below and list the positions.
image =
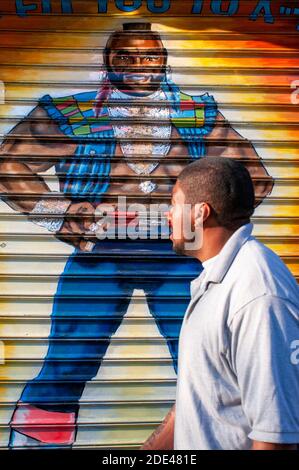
(258, 271)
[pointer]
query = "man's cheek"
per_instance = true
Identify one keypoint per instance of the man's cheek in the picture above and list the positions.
(177, 226)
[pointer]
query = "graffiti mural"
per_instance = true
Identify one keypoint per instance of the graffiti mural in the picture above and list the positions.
(127, 122)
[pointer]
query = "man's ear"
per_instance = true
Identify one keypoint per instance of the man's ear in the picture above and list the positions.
(202, 211)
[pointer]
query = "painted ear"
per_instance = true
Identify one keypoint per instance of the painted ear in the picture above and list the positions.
(165, 54)
(168, 72)
(106, 53)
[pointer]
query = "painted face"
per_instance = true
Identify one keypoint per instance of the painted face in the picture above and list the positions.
(136, 64)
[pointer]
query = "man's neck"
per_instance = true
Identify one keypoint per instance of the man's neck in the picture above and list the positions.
(214, 239)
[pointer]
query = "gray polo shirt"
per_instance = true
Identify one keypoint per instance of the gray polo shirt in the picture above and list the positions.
(238, 359)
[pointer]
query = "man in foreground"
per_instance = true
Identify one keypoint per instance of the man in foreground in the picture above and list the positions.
(238, 370)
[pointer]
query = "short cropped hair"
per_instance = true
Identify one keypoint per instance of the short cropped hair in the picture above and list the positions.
(225, 184)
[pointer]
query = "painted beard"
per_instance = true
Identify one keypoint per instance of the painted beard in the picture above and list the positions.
(136, 83)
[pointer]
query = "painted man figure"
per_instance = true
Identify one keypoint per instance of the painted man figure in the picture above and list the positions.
(130, 138)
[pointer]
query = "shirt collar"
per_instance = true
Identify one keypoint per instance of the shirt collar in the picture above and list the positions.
(207, 265)
(215, 268)
(218, 269)
(228, 253)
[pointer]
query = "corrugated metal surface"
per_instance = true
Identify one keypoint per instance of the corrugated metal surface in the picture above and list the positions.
(250, 66)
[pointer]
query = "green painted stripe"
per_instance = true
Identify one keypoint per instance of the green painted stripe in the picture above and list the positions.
(64, 98)
(185, 97)
(83, 130)
(200, 113)
(69, 109)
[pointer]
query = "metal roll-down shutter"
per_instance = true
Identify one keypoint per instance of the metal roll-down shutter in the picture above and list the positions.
(250, 66)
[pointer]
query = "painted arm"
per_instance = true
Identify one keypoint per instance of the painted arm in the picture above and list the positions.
(225, 141)
(19, 176)
(21, 185)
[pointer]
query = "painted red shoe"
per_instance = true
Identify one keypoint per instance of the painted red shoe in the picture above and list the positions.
(49, 427)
